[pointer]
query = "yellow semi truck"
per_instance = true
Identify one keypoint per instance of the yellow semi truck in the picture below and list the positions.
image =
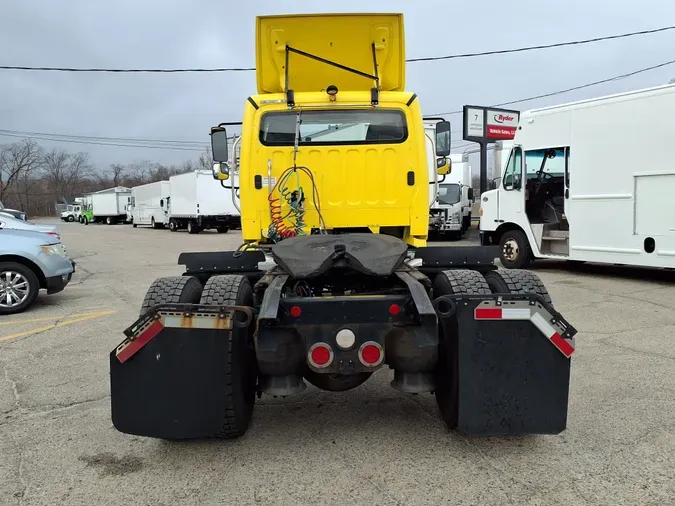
(334, 281)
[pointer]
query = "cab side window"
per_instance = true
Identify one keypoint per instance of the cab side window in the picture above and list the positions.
(514, 171)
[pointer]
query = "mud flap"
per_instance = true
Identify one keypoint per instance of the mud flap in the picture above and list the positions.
(168, 377)
(513, 365)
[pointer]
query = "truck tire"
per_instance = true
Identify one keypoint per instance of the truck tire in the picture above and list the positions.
(192, 227)
(240, 364)
(517, 281)
(452, 282)
(85, 220)
(173, 227)
(514, 250)
(110, 220)
(223, 230)
(173, 289)
(23, 284)
(71, 218)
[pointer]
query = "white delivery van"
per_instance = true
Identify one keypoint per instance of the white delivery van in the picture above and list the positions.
(149, 204)
(198, 202)
(571, 190)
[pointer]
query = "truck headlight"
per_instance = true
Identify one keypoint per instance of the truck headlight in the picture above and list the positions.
(454, 218)
(54, 249)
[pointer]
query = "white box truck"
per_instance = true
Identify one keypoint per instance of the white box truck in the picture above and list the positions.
(444, 216)
(461, 175)
(149, 204)
(199, 202)
(109, 206)
(571, 190)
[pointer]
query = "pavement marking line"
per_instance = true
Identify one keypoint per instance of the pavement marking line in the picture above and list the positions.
(47, 318)
(90, 316)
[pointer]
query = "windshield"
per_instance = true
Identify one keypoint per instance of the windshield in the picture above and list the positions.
(554, 166)
(448, 194)
(334, 127)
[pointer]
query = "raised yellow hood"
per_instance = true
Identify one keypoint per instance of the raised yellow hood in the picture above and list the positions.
(346, 39)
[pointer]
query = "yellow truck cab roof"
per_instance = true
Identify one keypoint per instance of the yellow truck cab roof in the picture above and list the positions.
(350, 40)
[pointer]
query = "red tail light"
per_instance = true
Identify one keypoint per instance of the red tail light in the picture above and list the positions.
(371, 354)
(320, 355)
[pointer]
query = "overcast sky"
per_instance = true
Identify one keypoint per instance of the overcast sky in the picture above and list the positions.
(209, 33)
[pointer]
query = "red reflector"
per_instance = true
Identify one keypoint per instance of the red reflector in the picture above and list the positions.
(321, 355)
(370, 354)
(141, 340)
(565, 347)
(488, 313)
(394, 309)
(296, 311)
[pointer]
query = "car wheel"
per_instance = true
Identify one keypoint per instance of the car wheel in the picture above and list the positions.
(19, 287)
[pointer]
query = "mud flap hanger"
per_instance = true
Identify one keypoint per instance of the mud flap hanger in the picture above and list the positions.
(181, 316)
(374, 92)
(522, 307)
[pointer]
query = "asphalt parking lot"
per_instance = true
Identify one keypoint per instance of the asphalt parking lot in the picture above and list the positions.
(370, 445)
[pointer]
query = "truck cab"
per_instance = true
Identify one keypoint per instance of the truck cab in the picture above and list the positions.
(351, 151)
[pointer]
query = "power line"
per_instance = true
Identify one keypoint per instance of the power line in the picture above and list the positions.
(186, 143)
(122, 145)
(543, 46)
(567, 90)
(410, 60)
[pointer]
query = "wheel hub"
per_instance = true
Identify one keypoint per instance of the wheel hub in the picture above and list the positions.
(511, 250)
(14, 289)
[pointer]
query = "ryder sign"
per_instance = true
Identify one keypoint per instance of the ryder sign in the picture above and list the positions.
(486, 124)
(501, 124)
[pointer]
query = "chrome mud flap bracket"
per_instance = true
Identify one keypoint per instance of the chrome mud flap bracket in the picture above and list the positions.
(513, 363)
(167, 378)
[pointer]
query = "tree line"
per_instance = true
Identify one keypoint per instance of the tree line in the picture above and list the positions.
(33, 178)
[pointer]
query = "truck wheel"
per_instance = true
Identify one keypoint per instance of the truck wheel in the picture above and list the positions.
(71, 218)
(453, 282)
(109, 220)
(223, 230)
(85, 220)
(173, 289)
(514, 250)
(516, 281)
(135, 225)
(240, 364)
(192, 227)
(19, 287)
(172, 225)
(152, 223)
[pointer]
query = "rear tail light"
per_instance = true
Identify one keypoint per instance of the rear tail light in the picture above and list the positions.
(320, 355)
(371, 354)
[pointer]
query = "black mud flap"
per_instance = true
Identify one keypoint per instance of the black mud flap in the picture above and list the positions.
(513, 362)
(168, 377)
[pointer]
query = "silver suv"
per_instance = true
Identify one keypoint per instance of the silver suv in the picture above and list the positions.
(30, 261)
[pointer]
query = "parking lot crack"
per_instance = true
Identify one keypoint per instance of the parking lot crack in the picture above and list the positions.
(12, 386)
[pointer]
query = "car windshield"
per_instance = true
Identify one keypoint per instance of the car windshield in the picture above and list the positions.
(448, 194)
(334, 127)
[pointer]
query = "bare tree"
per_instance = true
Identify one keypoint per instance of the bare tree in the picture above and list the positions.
(116, 172)
(205, 160)
(17, 161)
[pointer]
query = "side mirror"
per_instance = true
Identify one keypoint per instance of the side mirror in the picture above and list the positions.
(443, 138)
(443, 166)
(495, 183)
(470, 194)
(220, 171)
(219, 144)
